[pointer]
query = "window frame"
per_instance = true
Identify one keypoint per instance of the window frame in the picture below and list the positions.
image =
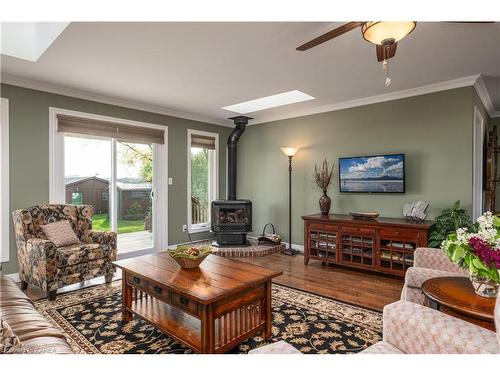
(4, 184)
(160, 170)
(213, 185)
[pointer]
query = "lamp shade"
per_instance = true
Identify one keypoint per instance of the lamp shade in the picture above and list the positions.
(377, 32)
(289, 151)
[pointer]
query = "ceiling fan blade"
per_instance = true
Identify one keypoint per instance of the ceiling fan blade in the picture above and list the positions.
(386, 52)
(329, 35)
(468, 21)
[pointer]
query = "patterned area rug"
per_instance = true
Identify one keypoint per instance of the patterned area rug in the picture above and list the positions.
(91, 321)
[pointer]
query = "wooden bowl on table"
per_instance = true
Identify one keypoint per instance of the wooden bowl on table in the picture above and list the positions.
(189, 256)
(364, 215)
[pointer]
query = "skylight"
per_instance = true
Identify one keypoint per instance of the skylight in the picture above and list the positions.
(29, 40)
(289, 97)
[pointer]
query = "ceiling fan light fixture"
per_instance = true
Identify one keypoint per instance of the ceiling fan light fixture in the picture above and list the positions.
(382, 32)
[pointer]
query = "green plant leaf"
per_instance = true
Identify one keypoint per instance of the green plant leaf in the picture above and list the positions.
(479, 264)
(458, 253)
(496, 221)
(447, 223)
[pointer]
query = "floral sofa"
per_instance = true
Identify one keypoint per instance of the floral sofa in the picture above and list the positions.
(42, 264)
(429, 263)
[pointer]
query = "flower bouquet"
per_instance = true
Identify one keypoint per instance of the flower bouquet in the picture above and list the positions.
(478, 251)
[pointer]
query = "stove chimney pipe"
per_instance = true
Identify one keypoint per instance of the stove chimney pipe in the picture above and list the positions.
(240, 123)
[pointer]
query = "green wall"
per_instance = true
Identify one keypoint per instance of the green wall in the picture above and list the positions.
(434, 131)
(29, 152)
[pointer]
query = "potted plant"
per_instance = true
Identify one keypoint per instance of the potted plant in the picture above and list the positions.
(323, 179)
(448, 222)
(478, 250)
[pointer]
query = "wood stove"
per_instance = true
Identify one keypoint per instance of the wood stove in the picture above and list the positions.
(232, 218)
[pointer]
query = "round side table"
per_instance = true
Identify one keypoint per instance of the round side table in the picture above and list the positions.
(455, 296)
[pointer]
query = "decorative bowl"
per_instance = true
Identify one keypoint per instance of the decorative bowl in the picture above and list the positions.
(189, 256)
(364, 215)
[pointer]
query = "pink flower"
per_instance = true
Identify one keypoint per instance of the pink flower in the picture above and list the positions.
(489, 256)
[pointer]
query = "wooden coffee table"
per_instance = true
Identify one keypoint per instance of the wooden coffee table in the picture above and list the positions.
(455, 296)
(211, 309)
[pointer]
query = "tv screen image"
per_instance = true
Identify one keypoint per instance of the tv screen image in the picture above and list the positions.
(372, 174)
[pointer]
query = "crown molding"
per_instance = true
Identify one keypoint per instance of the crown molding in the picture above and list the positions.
(87, 95)
(475, 81)
(421, 90)
(485, 98)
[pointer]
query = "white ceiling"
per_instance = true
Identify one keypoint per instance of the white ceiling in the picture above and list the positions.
(197, 68)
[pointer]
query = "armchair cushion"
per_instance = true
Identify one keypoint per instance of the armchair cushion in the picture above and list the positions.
(426, 257)
(415, 276)
(416, 329)
(82, 253)
(382, 347)
(100, 237)
(60, 233)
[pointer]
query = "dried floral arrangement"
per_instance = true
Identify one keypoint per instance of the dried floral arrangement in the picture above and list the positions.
(323, 175)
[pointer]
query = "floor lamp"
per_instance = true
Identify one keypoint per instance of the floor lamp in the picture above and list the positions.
(290, 152)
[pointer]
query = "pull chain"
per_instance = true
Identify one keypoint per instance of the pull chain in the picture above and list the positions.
(385, 66)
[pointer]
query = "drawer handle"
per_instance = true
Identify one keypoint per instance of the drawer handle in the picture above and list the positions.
(136, 280)
(157, 289)
(184, 301)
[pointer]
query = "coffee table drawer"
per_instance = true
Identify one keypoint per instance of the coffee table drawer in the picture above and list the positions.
(158, 291)
(137, 282)
(184, 303)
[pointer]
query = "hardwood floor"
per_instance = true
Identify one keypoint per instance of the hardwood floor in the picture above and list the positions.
(355, 287)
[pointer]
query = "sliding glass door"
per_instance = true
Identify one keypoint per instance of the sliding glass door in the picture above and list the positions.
(116, 178)
(134, 195)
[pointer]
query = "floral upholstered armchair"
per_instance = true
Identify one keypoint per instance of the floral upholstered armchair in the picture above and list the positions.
(429, 263)
(43, 264)
(410, 328)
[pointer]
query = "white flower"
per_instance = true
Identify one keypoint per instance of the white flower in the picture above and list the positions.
(462, 236)
(485, 221)
(488, 234)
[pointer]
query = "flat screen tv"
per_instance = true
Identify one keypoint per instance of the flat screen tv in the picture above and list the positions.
(372, 174)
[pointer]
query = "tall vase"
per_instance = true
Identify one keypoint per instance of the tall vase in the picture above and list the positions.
(324, 204)
(484, 286)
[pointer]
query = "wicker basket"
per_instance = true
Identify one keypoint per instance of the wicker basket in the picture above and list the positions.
(188, 261)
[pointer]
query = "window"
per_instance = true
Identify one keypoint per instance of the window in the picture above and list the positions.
(203, 178)
(77, 197)
(144, 195)
(103, 162)
(4, 183)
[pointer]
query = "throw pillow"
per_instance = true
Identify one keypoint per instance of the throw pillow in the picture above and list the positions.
(9, 342)
(60, 233)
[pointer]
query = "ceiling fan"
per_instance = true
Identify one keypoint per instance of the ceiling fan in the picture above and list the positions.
(385, 35)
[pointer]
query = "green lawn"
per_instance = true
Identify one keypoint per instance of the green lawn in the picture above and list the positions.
(101, 222)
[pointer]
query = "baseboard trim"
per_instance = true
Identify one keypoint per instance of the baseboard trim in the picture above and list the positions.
(299, 248)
